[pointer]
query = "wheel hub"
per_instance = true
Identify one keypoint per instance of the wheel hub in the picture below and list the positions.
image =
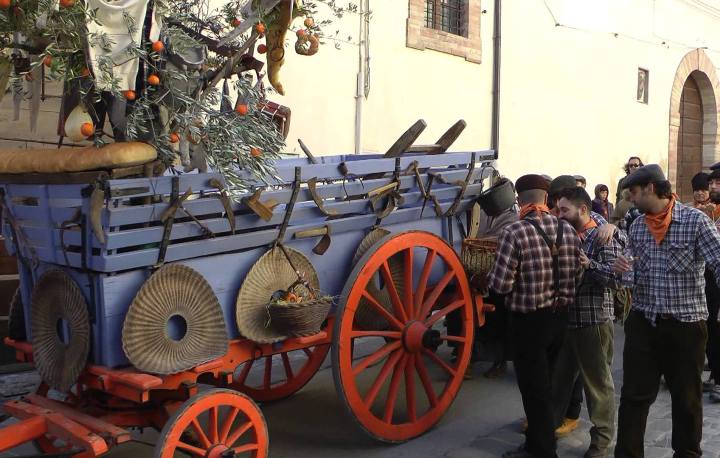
(219, 451)
(417, 336)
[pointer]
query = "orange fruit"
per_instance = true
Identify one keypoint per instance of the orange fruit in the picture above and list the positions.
(130, 95)
(67, 3)
(5, 4)
(174, 137)
(260, 27)
(85, 72)
(47, 61)
(87, 129)
(235, 22)
(153, 80)
(242, 109)
(255, 152)
(158, 46)
(301, 33)
(309, 22)
(262, 49)
(291, 297)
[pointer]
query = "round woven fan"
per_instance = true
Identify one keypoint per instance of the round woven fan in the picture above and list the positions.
(174, 323)
(271, 274)
(366, 317)
(60, 329)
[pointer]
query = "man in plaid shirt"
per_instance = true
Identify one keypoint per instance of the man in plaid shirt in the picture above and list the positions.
(591, 333)
(672, 245)
(537, 265)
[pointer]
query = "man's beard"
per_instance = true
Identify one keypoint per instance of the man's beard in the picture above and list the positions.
(715, 197)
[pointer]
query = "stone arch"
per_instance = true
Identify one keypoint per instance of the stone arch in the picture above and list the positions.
(696, 65)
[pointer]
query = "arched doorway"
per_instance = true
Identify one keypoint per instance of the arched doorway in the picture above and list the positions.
(694, 141)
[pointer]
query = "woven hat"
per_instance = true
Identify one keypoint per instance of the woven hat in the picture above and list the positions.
(60, 329)
(174, 323)
(272, 273)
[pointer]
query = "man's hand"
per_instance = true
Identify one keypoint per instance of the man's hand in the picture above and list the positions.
(584, 260)
(622, 265)
(605, 233)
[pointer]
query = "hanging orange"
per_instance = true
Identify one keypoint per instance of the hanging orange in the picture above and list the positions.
(262, 49)
(301, 33)
(255, 152)
(309, 22)
(260, 28)
(153, 80)
(158, 46)
(235, 22)
(174, 137)
(85, 72)
(67, 3)
(242, 109)
(5, 4)
(47, 61)
(130, 95)
(87, 129)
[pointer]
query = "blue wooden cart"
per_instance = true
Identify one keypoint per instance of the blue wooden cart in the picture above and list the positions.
(379, 235)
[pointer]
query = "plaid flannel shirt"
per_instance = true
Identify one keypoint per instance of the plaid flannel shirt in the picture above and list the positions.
(523, 265)
(669, 278)
(594, 302)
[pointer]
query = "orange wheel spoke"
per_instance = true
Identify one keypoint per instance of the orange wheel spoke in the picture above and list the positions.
(425, 380)
(410, 388)
(375, 357)
(267, 377)
(444, 311)
(388, 334)
(308, 352)
(213, 425)
(389, 365)
(436, 359)
(201, 434)
(382, 311)
(288, 368)
(424, 278)
(245, 372)
(454, 338)
(408, 281)
(392, 393)
(189, 448)
(430, 301)
(237, 434)
(392, 290)
(229, 420)
(245, 448)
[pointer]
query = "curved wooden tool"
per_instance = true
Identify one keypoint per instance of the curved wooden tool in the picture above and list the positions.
(406, 139)
(307, 152)
(445, 141)
(324, 242)
(263, 209)
(312, 187)
(225, 199)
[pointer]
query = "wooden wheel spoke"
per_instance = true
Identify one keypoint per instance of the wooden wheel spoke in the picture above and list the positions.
(398, 307)
(375, 357)
(408, 281)
(381, 310)
(213, 425)
(374, 390)
(439, 288)
(190, 448)
(444, 311)
(425, 381)
(229, 420)
(245, 372)
(424, 278)
(237, 434)
(392, 393)
(200, 433)
(459, 339)
(410, 388)
(288, 368)
(246, 448)
(267, 376)
(307, 352)
(436, 359)
(386, 334)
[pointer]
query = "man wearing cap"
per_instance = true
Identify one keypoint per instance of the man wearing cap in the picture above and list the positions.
(701, 193)
(712, 293)
(537, 265)
(666, 330)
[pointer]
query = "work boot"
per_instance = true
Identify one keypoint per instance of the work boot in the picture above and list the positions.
(568, 425)
(518, 453)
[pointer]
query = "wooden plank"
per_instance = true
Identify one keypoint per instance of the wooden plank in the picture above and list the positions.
(163, 185)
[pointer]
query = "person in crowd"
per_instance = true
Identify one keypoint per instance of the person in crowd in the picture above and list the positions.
(632, 164)
(591, 332)
(701, 194)
(666, 329)
(601, 204)
(580, 181)
(537, 265)
(712, 294)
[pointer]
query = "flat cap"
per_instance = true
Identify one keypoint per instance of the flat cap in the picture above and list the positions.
(651, 173)
(715, 166)
(531, 181)
(560, 183)
(700, 182)
(715, 175)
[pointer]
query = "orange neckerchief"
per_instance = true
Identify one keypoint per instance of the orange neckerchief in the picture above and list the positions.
(715, 214)
(530, 208)
(659, 223)
(589, 225)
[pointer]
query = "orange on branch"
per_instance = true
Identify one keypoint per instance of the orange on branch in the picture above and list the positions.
(85, 72)
(87, 129)
(158, 46)
(260, 28)
(242, 109)
(255, 152)
(262, 49)
(309, 22)
(235, 22)
(174, 137)
(301, 33)
(153, 80)
(130, 95)
(5, 4)
(67, 3)
(47, 61)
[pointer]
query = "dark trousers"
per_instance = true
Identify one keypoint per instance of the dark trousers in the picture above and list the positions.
(675, 350)
(538, 337)
(712, 292)
(566, 386)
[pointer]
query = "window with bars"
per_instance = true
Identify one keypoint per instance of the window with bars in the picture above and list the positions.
(446, 15)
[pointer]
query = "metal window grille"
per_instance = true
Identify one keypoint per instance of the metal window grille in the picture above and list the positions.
(446, 15)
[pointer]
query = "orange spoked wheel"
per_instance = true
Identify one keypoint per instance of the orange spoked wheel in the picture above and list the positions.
(279, 376)
(399, 379)
(213, 424)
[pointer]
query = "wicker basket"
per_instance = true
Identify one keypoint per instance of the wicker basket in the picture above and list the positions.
(299, 319)
(478, 255)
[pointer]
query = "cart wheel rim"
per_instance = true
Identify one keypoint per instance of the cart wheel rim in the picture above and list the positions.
(275, 377)
(212, 424)
(406, 357)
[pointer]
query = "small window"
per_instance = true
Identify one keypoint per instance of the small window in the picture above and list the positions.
(446, 15)
(643, 82)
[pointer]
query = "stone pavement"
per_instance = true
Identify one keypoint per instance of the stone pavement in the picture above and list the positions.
(483, 422)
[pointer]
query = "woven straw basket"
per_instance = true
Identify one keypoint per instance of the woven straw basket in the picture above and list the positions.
(299, 319)
(478, 255)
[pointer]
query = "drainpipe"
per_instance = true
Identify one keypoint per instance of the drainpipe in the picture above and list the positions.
(363, 49)
(495, 129)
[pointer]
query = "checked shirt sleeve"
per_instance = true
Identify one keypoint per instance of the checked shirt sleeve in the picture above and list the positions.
(708, 241)
(601, 268)
(502, 276)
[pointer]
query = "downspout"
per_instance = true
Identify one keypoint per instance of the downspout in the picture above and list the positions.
(495, 129)
(363, 49)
